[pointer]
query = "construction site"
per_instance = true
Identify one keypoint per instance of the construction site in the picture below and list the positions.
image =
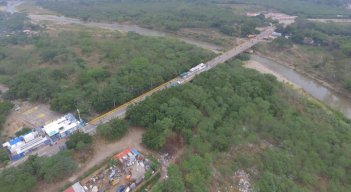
(125, 171)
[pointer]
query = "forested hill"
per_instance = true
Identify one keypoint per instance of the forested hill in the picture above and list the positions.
(237, 120)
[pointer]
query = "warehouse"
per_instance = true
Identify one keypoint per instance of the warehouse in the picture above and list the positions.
(62, 127)
(20, 146)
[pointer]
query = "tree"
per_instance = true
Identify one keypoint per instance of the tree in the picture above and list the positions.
(79, 141)
(156, 137)
(14, 179)
(23, 131)
(113, 130)
(56, 167)
(197, 172)
(174, 182)
(4, 158)
(5, 108)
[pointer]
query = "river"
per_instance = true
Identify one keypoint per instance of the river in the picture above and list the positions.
(312, 87)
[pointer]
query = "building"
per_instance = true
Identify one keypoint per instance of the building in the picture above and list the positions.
(20, 146)
(276, 34)
(77, 187)
(249, 14)
(62, 127)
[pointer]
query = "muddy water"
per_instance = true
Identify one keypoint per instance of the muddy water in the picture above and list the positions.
(315, 89)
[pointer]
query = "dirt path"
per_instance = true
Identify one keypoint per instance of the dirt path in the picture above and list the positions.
(101, 152)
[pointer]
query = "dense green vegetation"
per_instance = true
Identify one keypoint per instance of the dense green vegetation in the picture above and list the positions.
(48, 169)
(79, 141)
(170, 15)
(327, 45)
(298, 142)
(23, 131)
(175, 183)
(4, 158)
(307, 8)
(113, 130)
(5, 108)
(93, 73)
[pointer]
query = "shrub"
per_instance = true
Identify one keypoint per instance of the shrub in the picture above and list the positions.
(113, 130)
(79, 141)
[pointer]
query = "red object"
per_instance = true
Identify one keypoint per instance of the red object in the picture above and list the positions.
(69, 190)
(122, 154)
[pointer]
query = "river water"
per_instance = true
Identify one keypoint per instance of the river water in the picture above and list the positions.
(312, 87)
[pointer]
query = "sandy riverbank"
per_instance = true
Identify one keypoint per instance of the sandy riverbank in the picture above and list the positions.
(263, 69)
(337, 88)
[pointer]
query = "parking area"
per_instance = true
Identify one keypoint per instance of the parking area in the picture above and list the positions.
(27, 114)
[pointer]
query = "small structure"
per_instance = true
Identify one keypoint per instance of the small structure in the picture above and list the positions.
(62, 127)
(308, 41)
(276, 34)
(77, 187)
(20, 146)
(249, 14)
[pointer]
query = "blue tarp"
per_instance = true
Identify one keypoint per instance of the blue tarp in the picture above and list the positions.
(15, 140)
(135, 152)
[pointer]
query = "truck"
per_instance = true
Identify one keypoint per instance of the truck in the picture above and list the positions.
(184, 75)
(198, 67)
(251, 36)
(174, 84)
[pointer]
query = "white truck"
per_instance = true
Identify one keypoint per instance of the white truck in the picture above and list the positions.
(198, 67)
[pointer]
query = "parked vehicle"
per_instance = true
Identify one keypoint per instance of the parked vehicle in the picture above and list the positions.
(120, 188)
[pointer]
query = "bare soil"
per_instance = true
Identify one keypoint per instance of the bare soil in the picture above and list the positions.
(27, 114)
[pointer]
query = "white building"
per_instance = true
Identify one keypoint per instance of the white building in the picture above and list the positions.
(62, 127)
(22, 145)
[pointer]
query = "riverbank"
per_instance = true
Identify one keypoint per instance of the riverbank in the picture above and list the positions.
(265, 70)
(308, 88)
(337, 88)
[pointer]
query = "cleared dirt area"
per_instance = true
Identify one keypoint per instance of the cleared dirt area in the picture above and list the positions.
(26, 114)
(102, 150)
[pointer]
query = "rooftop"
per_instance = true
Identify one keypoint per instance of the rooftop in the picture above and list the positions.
(61, 125)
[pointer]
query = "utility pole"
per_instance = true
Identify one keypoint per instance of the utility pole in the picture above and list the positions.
(80, 119)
